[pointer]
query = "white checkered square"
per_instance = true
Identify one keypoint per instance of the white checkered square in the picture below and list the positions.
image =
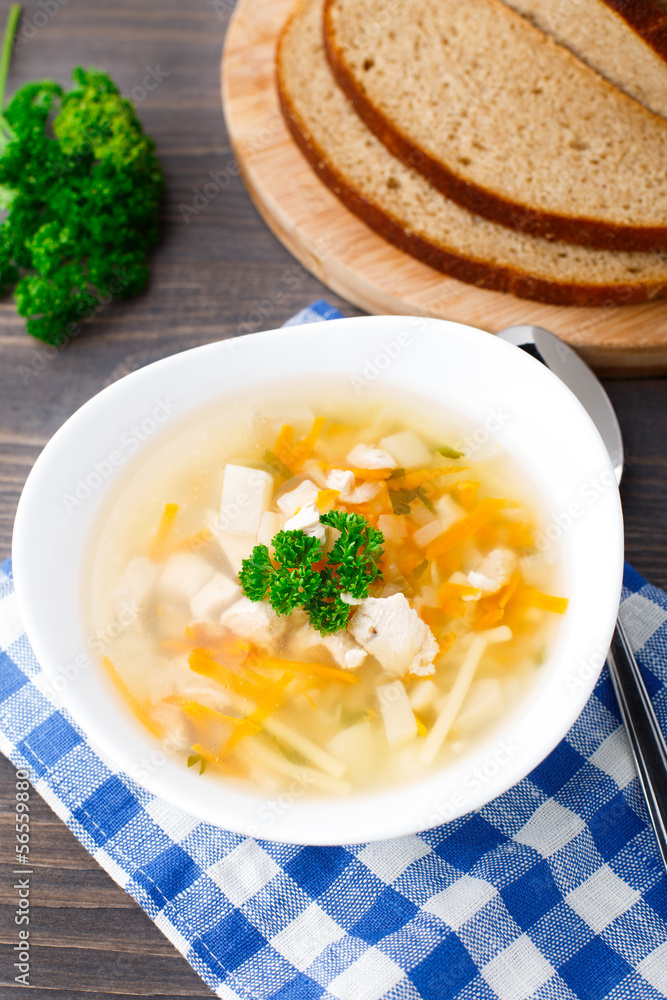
(602, 898)
(306, 937)
(641, 618)
(175, 823)
(243, 872)
(460, 901)
(369, 978)
(389, 858)
(167, 927)
(10, 623)
(111, 866)
(614, 757)
(550, 828)
(518, 971)
(653, 969)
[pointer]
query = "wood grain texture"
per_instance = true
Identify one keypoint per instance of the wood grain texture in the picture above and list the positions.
(354, 261)
(220, 274)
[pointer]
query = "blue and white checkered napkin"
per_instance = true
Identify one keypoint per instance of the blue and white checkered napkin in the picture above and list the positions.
(553, 891)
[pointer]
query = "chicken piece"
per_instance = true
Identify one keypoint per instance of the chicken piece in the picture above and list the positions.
(494, 571)
(365, 456)
(216, 595)
(407, 450)
(343, 480)
(347, 653)
(255, 621)
(307, 519)
(289, 503)
(391, 631)
(184, 574)
(246, 494)
(135, 587)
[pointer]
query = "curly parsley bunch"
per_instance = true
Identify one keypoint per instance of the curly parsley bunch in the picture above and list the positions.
(82, 185)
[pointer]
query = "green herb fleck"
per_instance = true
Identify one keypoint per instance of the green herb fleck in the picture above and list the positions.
(196, 758)
(449, 452)
(421, 569)
(272, 459)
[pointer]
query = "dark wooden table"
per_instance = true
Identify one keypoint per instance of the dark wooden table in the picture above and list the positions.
(219, 274)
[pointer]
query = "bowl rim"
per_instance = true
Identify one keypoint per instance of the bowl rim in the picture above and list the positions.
(371, 816)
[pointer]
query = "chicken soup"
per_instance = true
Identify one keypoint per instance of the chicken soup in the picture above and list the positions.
(350, 593)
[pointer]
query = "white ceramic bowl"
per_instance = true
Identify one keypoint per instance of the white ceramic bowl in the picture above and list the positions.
(537, 419)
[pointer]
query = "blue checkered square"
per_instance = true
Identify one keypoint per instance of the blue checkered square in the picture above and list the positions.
(49, 742)
(315, 868)
(229, 944)
(531, 896)
(594, 971)
(302, 987)
(107, 810)
(613, 825)
(389, 913)
(444, 973)
(557, 769)
(168, 875)
(473, 839)
(11, 678)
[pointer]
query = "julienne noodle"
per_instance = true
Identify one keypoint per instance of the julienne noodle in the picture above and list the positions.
(439, 610)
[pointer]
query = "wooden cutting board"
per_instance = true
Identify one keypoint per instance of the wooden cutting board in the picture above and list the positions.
(357, 263)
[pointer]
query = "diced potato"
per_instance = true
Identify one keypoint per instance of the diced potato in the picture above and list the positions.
(423, 694)
(392, 526)
(357, 747)
(135, 587)
(424, 536)
(407, 450)
(448, 511)
(269, 526)
(216, 595)
(184, 574)
(246, 494)
(399, 721)
(235, 548)
(305, 492)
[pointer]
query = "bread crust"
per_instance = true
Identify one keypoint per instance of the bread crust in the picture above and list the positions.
(471, 271)
(535, 222)
(646, 20)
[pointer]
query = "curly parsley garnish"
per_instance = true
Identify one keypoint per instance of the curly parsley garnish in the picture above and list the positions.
(291, 581)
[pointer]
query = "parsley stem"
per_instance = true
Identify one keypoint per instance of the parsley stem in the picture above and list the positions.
(7, 43)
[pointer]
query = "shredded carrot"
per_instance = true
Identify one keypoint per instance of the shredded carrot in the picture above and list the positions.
(369, 474)
(411, 480)
(453, 607)
(138, 708)
(545, 602)
(446, 643)
(465, 527)
(284, 446)
(491, 609)
(193, 542)
(448, 590)
(325, 497)
(156, 548)
(421, 728)
(466, 494)
(202, 662)
(319, 669)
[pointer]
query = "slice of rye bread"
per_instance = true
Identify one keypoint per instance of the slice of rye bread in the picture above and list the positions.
(400, 204)
(504, 120)
(624, 40)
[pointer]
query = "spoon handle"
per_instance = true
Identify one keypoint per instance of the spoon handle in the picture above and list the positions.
(646, 740)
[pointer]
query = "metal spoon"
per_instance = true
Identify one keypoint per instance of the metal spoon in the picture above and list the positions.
(646, 740)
